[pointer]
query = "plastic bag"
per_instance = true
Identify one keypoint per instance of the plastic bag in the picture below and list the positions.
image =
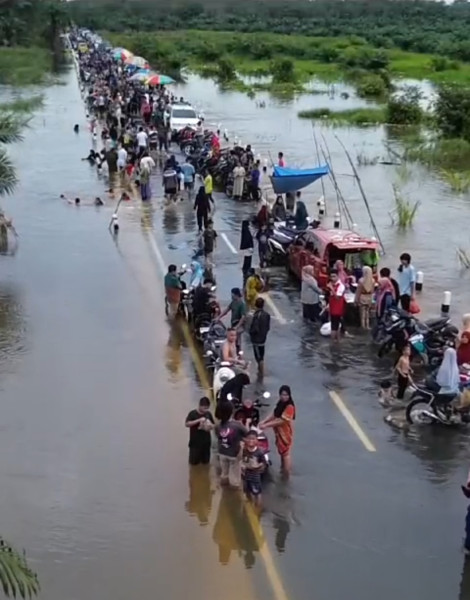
(325, 329)
(414, 307)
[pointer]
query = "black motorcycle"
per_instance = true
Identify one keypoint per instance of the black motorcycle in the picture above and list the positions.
(427, 339)
(428, 406)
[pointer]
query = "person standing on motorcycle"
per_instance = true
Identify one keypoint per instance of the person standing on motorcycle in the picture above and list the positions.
(173, 291)
(259, 329)
(237, 308)
(406, 281)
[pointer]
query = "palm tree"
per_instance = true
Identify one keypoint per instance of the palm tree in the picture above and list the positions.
(16, 578)
(10, 132)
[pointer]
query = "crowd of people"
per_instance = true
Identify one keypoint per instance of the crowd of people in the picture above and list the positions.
(130, 119)
(132, 122)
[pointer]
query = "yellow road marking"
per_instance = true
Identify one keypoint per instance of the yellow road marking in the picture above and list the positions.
(347, 414)
(265, 553)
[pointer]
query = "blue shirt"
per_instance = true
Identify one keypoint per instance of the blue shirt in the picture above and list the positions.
(406, 277)
(188, 172)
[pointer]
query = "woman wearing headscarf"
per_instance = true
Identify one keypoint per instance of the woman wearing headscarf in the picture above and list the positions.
(301, 216)
(281, 421)
(253, 287)
(246, 246)
(202, 208)
(279, 210)
(363, 297)
(448, 375)
(310, 295)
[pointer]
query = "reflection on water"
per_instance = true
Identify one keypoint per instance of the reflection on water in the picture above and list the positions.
(233, 532)
(199, 504)
(464, 593)
(12, 325)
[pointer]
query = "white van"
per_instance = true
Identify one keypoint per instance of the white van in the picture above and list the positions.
(181, 116)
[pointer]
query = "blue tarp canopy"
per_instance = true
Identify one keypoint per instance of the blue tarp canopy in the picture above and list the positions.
(290, 180)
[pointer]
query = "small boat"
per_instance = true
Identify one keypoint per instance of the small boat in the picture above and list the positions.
(285, 180)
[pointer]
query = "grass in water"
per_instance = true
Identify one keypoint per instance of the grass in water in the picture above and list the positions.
(24, 66)
(463, 257)
(22, 105)
(356, 116)
(405, 211)
(458, 182)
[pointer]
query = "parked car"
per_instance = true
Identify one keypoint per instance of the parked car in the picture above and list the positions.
(321, 248)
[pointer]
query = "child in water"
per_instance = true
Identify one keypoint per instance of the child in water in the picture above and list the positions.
(253, 465)
(404, 372)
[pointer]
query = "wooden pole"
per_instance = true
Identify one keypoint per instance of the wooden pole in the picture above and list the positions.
(318, 159)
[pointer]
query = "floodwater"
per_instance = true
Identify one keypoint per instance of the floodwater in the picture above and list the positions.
(95, 389)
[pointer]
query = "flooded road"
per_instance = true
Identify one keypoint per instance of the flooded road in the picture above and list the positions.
(95, 389)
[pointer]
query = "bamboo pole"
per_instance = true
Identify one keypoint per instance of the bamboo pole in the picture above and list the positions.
(318, 159)
(363, 194)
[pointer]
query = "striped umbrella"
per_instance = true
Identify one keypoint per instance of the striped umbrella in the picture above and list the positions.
(142, 75)
(137, 61)
(122, 54)
(157, 79)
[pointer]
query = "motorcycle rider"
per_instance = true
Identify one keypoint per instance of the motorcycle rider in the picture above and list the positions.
(202, 299)
(248, 414)
(173, 290)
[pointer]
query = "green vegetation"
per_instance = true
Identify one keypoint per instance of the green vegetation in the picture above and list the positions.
(24, 66)
(362, 117)
(16, 577)
(30, 35)
(419, 26)
(370, 69)
(405, 211)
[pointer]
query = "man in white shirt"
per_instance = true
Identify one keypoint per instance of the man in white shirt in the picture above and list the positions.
(122, 158)
(142, 140)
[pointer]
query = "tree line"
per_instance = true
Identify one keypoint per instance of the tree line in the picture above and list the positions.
(32, 22)
(412, 25)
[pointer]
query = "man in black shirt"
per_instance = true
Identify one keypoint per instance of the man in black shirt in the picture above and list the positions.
(200, 422)
(201, 299)
(259, 330)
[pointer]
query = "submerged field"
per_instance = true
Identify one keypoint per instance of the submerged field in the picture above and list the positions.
(254, 54)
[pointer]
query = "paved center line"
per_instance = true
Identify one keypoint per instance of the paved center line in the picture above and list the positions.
(276, 312)
(347, 414)
(230, 246)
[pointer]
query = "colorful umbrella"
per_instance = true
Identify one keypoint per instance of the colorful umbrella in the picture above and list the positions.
(141, 75)
(122, 54)
(158, 79)
(137, 61)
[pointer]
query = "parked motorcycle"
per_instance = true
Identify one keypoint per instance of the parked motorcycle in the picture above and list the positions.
(427, 340)
(428, 406)
(213, 336)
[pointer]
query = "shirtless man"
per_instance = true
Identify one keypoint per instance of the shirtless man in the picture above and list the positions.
(229, 350)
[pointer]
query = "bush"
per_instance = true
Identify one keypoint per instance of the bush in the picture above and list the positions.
(225, 69)
(452, 110)
(404, 108)
(371, 85)
(283, 71)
